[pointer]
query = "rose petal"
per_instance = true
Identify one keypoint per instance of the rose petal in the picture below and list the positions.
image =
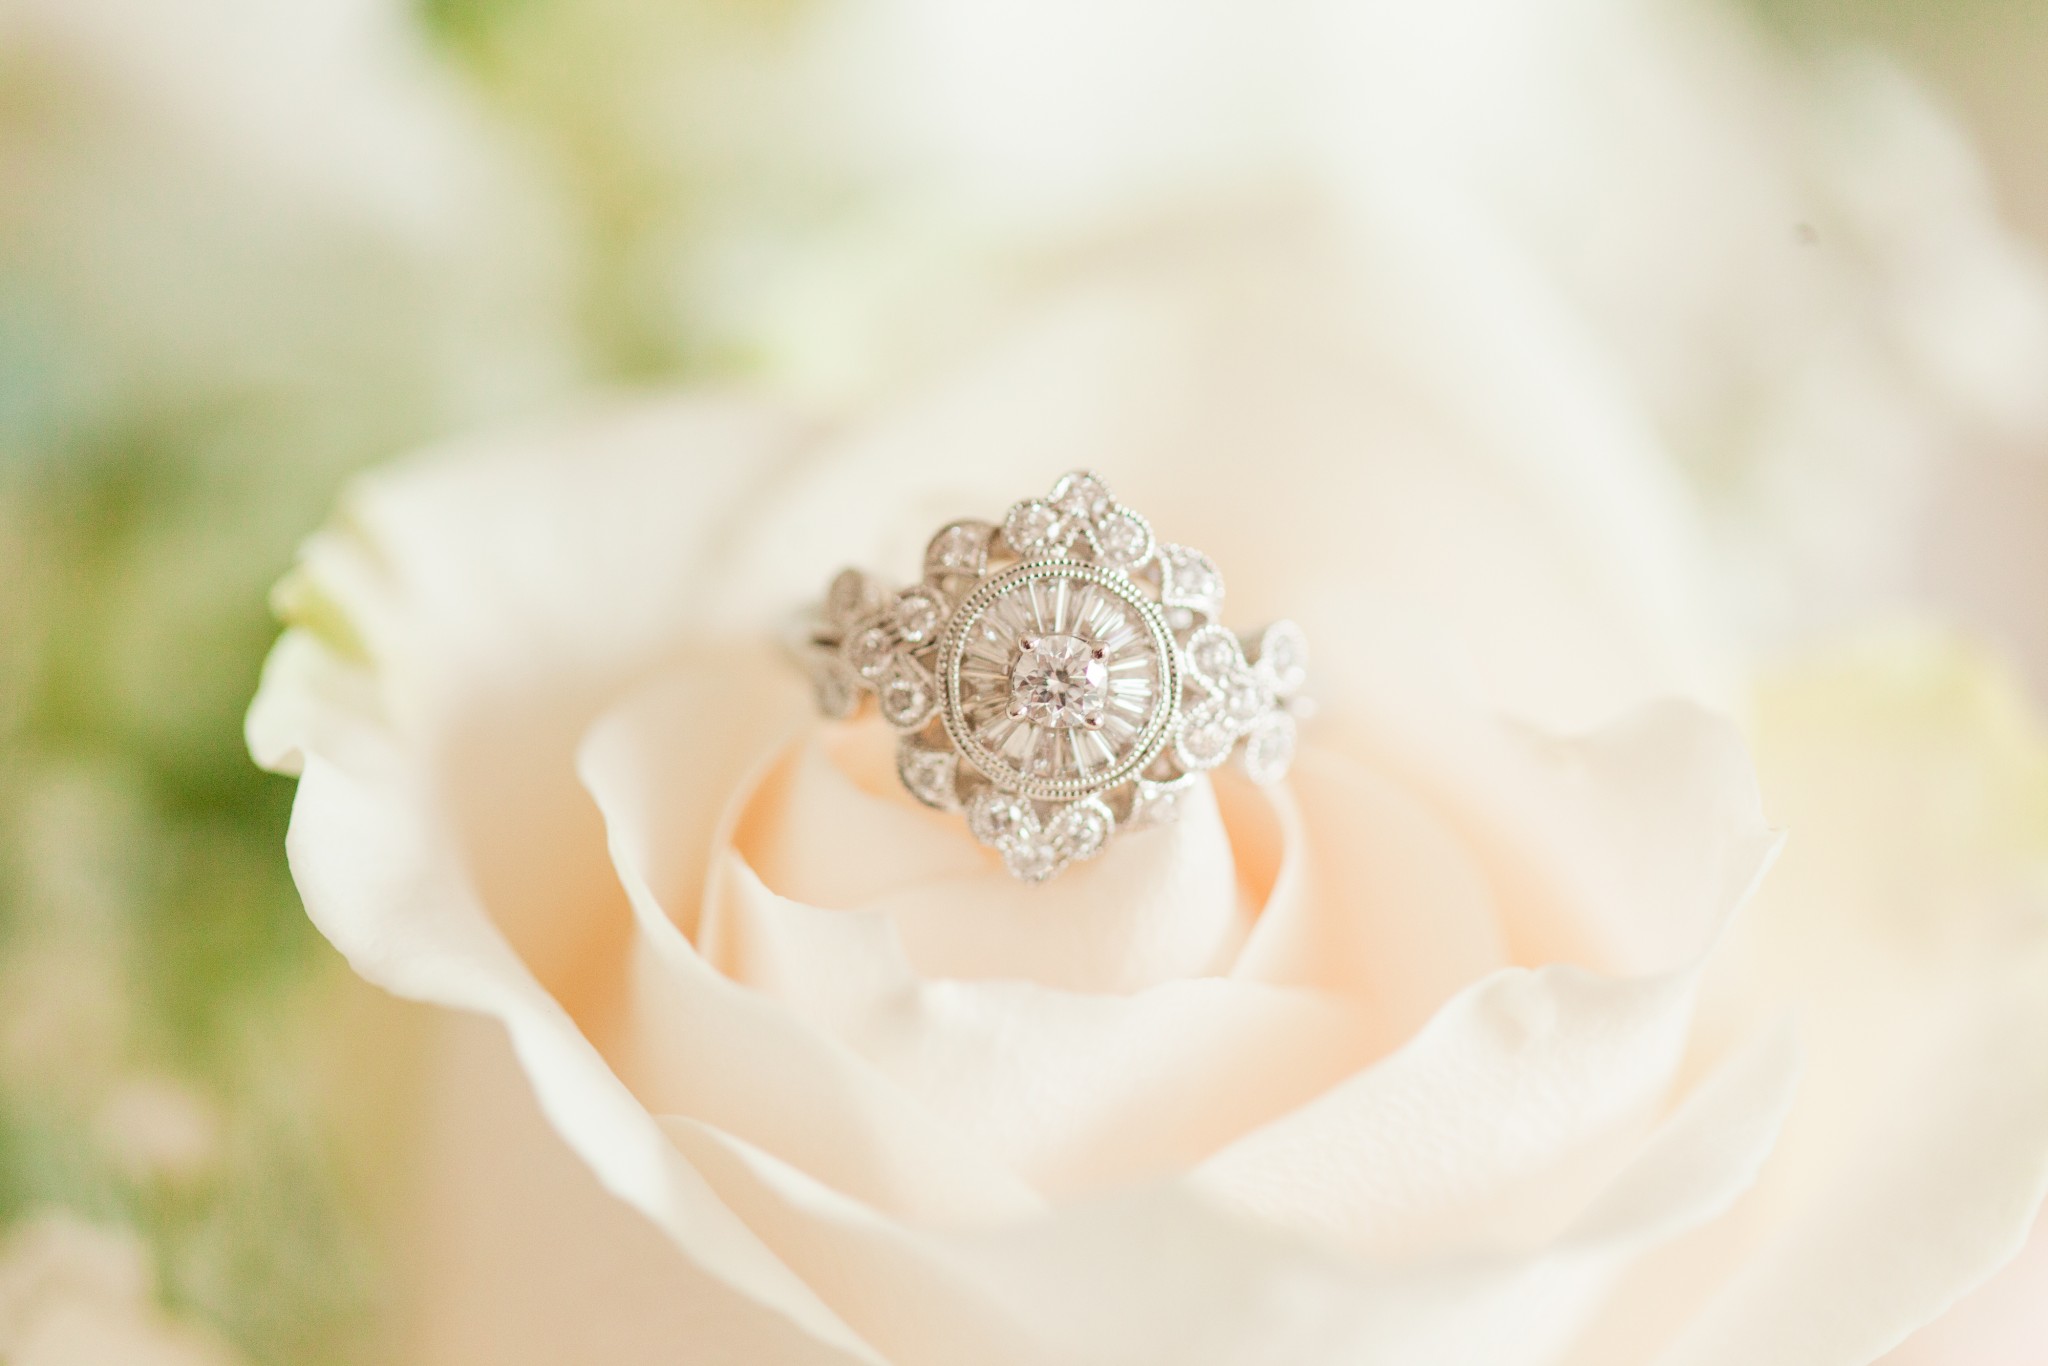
(1494, 1116)
(1619, 849)
(2001, 1323)
(1375, 897)
(1908, 925)
(373, 869)
(692, 1041)
(440, 630)
(1075, 1090)
(492, 601)
(1071, 1089)
(1487, 1124)
(1908, 1224)
(523, 1259)
(840, 831)
(1158, 1277)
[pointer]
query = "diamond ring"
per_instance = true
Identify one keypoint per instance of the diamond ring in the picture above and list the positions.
(1060, 677)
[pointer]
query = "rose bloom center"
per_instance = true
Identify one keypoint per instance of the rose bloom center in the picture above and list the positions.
(1059, 681)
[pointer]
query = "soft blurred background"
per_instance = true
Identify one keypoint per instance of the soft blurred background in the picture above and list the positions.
(247, 248)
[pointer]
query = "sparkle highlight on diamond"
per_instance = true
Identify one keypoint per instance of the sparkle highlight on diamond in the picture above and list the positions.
(1059, 681)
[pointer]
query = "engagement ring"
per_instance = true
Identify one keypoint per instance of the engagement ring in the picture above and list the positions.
(1061, 677)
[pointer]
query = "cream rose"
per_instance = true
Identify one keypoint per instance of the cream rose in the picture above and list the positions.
(1475, 1042)
(1460, 1047)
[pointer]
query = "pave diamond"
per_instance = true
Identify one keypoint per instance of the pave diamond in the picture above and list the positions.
(1283, 657)
(917, 615)
(906, 694)
(869, 649)
(998, 818)
(1205, 742)
(1124, 539)
(1229, 698)
(1034, 849)
(928, 774)
(1194, 574)
(1192, 585)
(959, 548)
(1082, 496)
(1269, 748)
(1215, 654)
(1034, 528)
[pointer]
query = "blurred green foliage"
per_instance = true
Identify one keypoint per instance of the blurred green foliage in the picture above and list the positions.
(148, 927)
(201, 335)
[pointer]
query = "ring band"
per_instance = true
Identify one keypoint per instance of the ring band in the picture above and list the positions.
(1061, 677)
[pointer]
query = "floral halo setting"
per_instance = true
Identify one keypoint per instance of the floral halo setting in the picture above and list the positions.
(1059, 677)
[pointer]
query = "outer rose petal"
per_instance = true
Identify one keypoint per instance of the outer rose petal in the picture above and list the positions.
(438, 892)
(518, 1257)
(1908, 922)
(1157, 1279)
(441, 841)
(2003, 1322)
(1421, 920)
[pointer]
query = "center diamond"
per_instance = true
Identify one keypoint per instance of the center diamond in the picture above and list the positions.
(1059, 681)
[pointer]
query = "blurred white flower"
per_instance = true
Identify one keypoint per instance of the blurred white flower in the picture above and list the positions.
(75, 1294)
(155, 1128)
(242, 250)
(236, 197)
(1788, 278)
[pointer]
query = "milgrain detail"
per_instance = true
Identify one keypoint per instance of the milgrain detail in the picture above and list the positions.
(1046, 609)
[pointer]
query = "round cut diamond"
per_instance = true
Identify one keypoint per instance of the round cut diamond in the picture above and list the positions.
(1032, 527)
(906, 701)
(1283, 656)
(1215, 655)
(1245, 700)
(1206, 742)
(869, 650)
(917, 615)
(1124, 540)
(1269, 748)
(1192, 580)
(929, 774)
(1083, 497)
(961, 548)
(1059, 681)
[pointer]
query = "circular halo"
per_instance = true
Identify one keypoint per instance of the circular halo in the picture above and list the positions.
(1057, 605)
